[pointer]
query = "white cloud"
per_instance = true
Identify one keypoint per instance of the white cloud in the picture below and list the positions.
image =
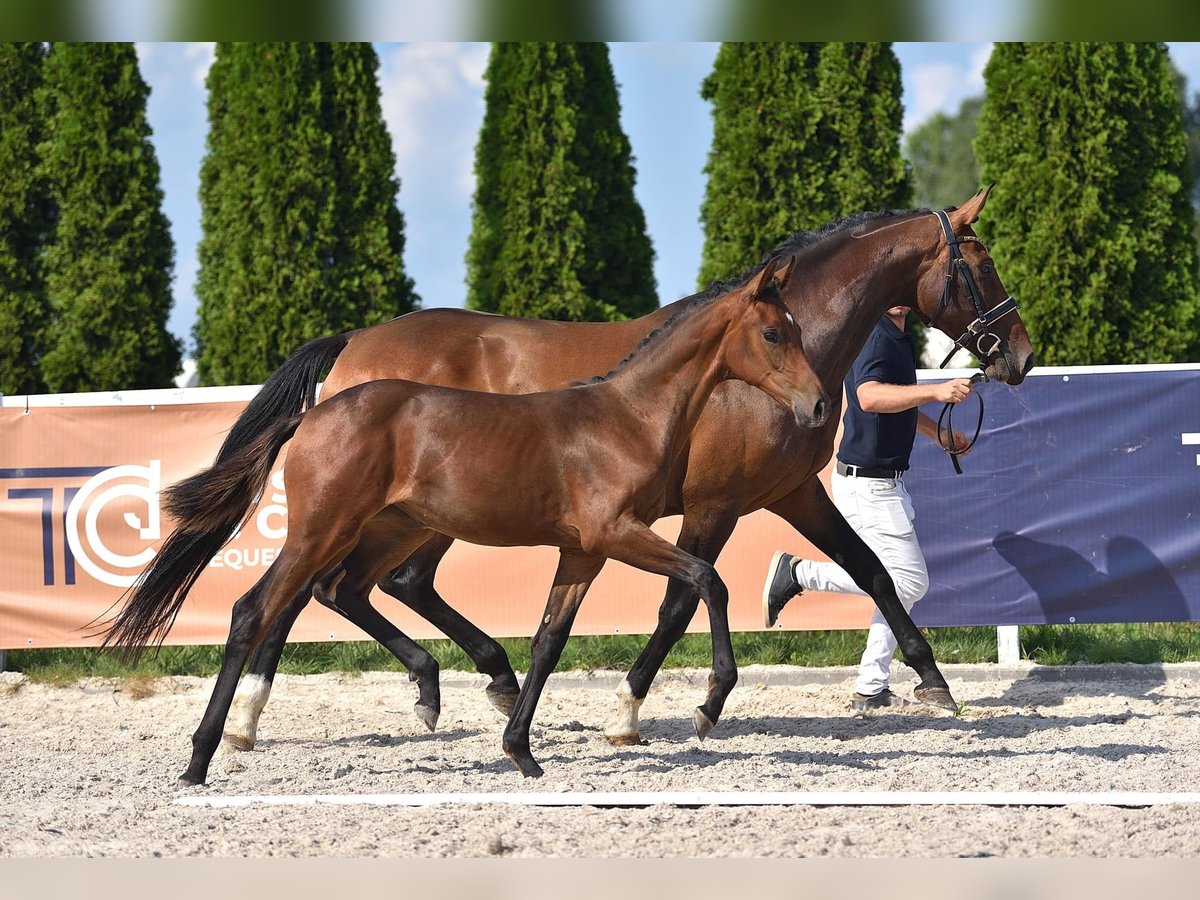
(979, 58)
(941, 87)
(935, 84)
(432, 98)
(200, 56)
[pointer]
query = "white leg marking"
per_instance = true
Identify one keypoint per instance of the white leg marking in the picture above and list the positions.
(625, 727)
(241, 726)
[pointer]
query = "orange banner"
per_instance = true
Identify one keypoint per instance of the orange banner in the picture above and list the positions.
(79, 520)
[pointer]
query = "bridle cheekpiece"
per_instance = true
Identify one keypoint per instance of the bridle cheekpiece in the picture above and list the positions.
(971, 340)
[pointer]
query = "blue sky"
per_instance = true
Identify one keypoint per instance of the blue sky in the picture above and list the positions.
(432, 96)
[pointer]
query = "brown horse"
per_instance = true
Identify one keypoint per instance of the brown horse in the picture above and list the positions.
(744, 455)
(375, 472)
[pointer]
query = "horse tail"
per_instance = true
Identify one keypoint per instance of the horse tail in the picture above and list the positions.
(208, 507)
(291, 389)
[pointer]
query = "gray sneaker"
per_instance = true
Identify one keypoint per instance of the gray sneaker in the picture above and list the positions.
(781, 586)
(864, 702)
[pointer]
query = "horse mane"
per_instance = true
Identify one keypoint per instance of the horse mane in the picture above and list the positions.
(798, 241)
(684, 311)
(804, 239)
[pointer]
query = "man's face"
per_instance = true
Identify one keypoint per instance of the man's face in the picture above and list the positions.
(899, 311)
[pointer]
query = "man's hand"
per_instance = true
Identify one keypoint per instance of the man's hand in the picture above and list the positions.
(952, 391)
(957, 439)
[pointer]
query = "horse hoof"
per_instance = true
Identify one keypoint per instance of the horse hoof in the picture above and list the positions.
(427, 714)
(526, 764)
(619, 739)
(186, 781)
(502, 701)
(704, 725)
(937, 696)
(237, 742)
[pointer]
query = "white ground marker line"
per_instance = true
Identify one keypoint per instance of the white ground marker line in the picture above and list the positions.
(711, 798)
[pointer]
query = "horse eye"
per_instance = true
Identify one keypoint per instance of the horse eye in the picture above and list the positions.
(771, 336)
(986, 269)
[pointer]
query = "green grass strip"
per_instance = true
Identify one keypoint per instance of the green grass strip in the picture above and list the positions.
(1045, 644)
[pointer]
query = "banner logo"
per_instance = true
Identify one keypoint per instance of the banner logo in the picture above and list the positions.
(88, 547)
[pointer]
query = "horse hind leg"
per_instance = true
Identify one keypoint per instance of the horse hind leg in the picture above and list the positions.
(412, 585)
(252, 616)
(346, 590)
(253, 691)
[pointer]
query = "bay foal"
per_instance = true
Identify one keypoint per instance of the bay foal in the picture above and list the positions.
(375, 472)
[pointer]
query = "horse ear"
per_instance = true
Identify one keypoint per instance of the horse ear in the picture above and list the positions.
(785, 272)
(969, 211)
(763, 280)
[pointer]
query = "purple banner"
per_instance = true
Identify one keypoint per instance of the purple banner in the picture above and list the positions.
(1080, 503)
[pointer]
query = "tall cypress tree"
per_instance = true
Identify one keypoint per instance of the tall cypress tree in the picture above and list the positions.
(1090, 217)
(109, 260)
(557, 231)
(25, 216)
(802, 134)
(371, 285)
(301, 234)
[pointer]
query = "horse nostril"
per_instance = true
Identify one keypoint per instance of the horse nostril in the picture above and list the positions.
(819, 411)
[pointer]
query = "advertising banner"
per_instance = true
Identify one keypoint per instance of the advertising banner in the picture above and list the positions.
(79, 520)
(1080, 503)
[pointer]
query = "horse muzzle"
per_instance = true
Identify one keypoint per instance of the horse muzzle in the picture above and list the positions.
(810, 414)
(1008, 367)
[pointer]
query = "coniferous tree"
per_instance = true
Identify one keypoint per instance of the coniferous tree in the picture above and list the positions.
(109, 259)
(301, 233)
(802, 134)
(25, 216)
(371, 283)
(1090, 218)
(557, 231)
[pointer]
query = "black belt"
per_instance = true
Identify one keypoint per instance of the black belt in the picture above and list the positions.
(864, 472)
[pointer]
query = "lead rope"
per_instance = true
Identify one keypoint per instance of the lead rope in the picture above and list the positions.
(948, 416)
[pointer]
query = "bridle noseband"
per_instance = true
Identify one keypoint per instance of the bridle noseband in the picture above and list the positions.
(976, 331)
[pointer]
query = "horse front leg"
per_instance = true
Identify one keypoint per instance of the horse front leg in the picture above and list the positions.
(633, 543)
(576, 571)
(412, 585)
(809, 510)
(702, 536)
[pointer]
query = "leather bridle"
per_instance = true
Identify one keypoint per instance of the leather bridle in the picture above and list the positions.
(977, 332)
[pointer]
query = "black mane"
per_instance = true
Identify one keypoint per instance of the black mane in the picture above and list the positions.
(802, 239)
(798, 241)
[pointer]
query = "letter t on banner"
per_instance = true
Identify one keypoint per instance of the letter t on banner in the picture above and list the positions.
(1192, 437)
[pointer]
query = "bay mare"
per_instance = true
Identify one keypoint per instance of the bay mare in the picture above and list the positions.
(745, 453)
(375, 472)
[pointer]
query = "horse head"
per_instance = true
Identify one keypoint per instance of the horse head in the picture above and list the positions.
(768, 351)
(960, 293)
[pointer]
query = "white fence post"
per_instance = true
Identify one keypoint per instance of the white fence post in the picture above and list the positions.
(1008, 643)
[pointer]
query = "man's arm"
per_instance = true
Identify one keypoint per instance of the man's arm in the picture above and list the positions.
(877, 397)
(928, 427)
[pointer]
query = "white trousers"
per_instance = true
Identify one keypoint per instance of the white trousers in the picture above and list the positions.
(880, 511)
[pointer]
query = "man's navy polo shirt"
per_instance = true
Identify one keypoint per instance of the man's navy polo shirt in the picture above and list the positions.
(880, 440)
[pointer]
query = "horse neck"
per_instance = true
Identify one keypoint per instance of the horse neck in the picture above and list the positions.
(670, 379)
(844, 284)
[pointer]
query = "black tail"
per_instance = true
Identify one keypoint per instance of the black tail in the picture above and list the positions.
(291, 389)
(208, 507)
